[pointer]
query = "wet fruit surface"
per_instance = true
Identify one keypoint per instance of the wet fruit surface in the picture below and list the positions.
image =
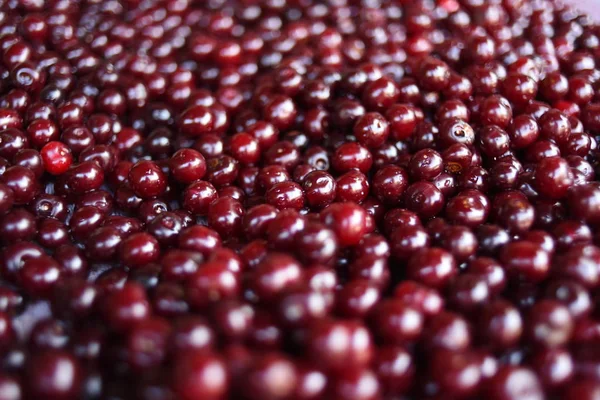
(293, 200)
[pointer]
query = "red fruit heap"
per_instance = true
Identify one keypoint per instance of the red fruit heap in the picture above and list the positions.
(299, 200)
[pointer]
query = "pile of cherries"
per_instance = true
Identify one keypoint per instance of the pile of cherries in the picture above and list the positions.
(299, 199)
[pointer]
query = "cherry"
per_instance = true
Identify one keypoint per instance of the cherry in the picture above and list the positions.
(22, 182)
(126, 306)
(245, 148)
(57, 158)
(403, 121)
(500, 386)
(448, 366)
(319, 188)
(54, 374)
(352, 155)
(354, 345)
(347, 220)
(192, 372)
(501, 325)
(447, 331)
(395, 368)
(274, 274)
(187, 165)
(433, 267)
(525, 259)
(259, 380)
(147, 179)
(295, 200)
(211, 283)
(372, 130)
(84, 177)
(139, 249)
(196, 121)
(550, 324)
(356, 384)
(396, 322)
(389, 184)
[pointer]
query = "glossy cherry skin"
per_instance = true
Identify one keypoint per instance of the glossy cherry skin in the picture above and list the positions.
(17, 225)
(10, 387)
(554, 367)
(57, 158)
(421, 298)
(525, 259)
(389, 184)
(294, 200)
(357, 298)
(316, 244)
(259, 382)
(196, 121)
(84, 177)
(550, 324)
(245, 148)
(187, 165)
(22, 182)
(526, 383)
(396, 322)
(426, 164)
(354, 345)
(433, 267)
(581, 200)
(139, 249)
(7, 198)
(200, 239)
(198, 196)
(311, 382)
(199, 374)
(447, 331)
(553, 178)
(225, 216)
(448, 367)
(54, 374)
(395, 369)
(572, 294)
(285, 195)
(501, 325)
(371, 130)
(424, 198)
(211, 283)
(274, 274)
(352, 155)
(347, 220)
(356, 384)
(40, 275)
(126, 306)
(147, 179)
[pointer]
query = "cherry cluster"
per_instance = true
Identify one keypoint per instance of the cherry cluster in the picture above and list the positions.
(299, 199)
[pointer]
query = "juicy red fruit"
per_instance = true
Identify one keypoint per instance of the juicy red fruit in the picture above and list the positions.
(293, 200)
(57, 157)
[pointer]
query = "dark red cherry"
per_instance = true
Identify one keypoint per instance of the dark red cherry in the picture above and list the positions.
(147, 179)
(347, 220)
(54, 374)
(354, 347)
(526, 383)
(200, 374)
(22, 182)
(57, 158)
(372, 130)
(433, 267)
(187, 165)
(196, 121)
(126, 306)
